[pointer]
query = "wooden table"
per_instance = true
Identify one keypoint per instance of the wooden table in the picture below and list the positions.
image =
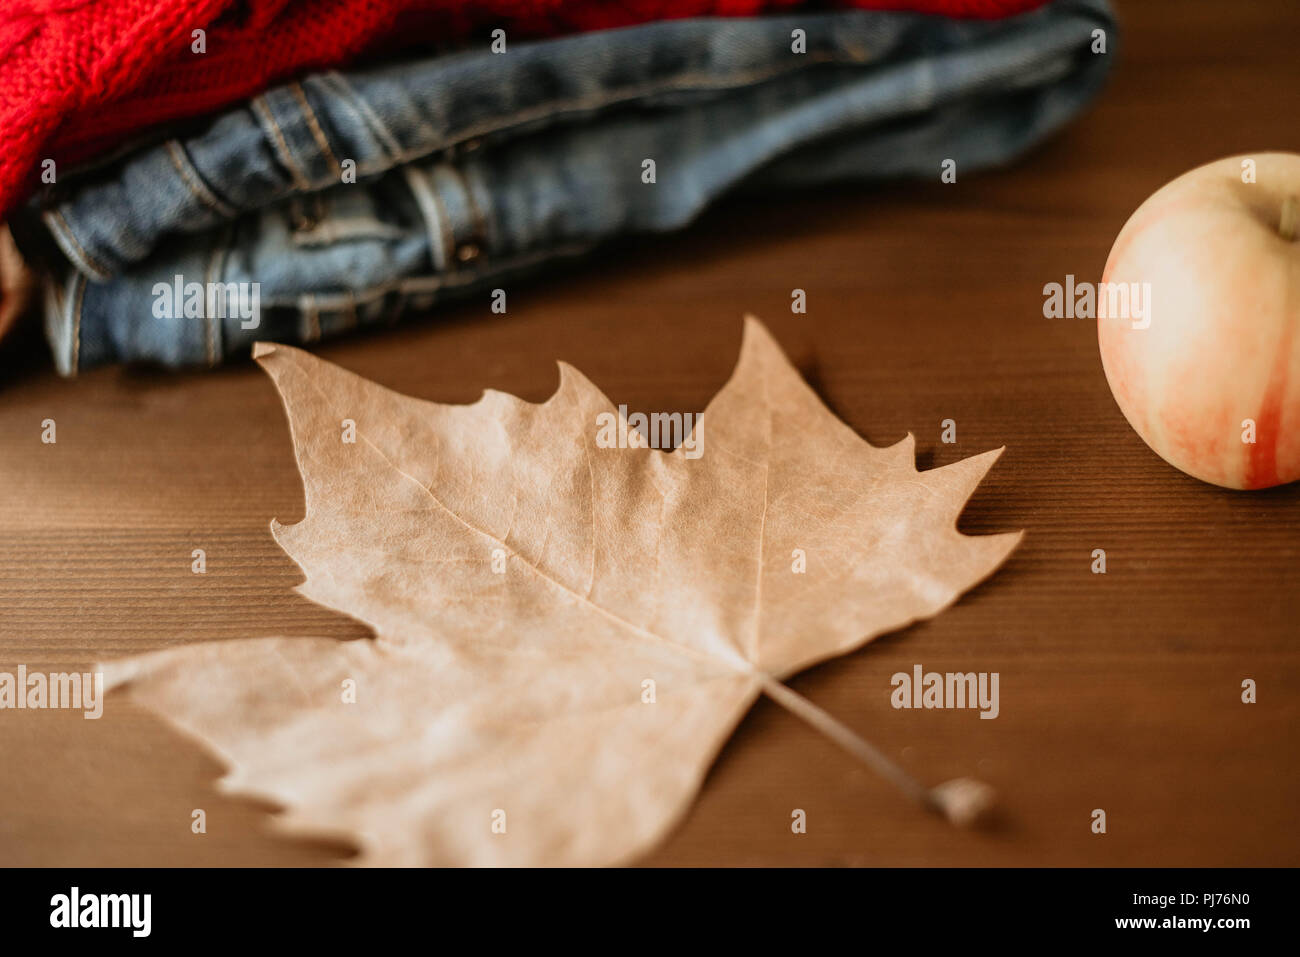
(1118, 691)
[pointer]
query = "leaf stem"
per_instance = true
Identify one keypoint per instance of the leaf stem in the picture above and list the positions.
(962, 801)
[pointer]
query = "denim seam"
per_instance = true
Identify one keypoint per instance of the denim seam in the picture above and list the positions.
(433, 284)
(261, 108)
(353, 101)
(481, 203)
(331, 231)
(693, 81)
(431, 213)
(58, 319)
(78, 300)
(194, 183)
(67, 240)
(477, 222)
(449, 243)
(270, 126)
(313, 125)
(687, 82)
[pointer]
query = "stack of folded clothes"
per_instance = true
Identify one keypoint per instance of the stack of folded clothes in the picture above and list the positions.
(354, 161)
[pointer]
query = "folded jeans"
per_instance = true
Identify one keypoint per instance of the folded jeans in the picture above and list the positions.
(475, 166)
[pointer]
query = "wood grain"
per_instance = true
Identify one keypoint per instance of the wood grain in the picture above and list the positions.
(1118, 691)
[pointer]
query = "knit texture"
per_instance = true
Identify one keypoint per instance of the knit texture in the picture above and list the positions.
(79, 77)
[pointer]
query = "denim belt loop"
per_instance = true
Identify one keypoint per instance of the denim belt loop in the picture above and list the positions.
(453, 218)
(294, 131)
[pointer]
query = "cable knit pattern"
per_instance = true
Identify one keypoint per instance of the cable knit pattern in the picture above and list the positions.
(78, 77)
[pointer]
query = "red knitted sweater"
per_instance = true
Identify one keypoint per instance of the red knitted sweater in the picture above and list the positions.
(77, 77)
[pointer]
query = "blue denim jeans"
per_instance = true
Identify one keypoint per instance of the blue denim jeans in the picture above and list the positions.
(474, 166)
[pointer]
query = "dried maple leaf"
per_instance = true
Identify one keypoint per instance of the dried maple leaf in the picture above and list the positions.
(524, 586)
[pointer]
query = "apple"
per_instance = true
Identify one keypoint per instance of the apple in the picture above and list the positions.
(1209, 377)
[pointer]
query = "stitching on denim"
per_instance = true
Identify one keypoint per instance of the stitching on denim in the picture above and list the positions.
(269, 124)
(445, 224)
(474, 185)
(344, 229)
(313, 125)
(67, 241)
(477, 214)
(398, 156)
(422, 192)
(694, 82)
(415, 285)
(361, 109)
(194, 183)
(78, 300)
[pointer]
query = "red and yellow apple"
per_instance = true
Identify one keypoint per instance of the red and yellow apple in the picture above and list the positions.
(1210, 376)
